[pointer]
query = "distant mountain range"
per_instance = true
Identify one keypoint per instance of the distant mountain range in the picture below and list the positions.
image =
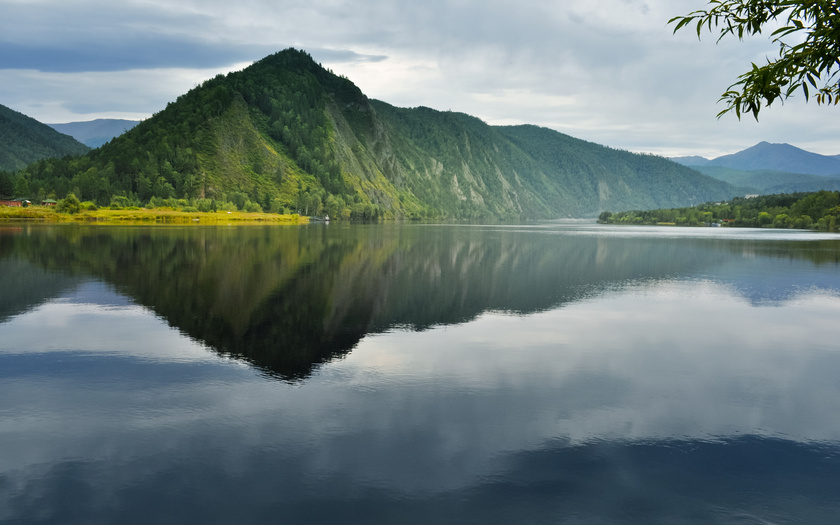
(771, 168)
(95, 133)
(775, 157)
(24, 140)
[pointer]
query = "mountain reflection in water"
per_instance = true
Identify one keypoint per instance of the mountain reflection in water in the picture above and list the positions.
(287, 299)
(445, 374)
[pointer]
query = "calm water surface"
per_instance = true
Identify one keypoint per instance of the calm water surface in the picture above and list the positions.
(561, 373)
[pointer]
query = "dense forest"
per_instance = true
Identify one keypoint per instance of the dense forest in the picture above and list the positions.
(286, 135)
(24, 140)
(819, 210)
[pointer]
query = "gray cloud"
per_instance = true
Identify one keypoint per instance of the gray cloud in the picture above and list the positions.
(611, 72)
(148, 53)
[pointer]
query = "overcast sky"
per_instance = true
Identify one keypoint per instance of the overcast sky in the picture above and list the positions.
(608, 71)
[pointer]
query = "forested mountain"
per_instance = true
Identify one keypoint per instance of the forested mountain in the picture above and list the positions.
(24, 140)
(285, 133)
(780, 157)
(593, 175)
(94, 133)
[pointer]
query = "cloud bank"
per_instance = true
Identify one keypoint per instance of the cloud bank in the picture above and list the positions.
(611, 72)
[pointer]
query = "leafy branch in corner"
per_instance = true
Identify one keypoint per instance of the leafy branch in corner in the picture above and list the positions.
(809, 49)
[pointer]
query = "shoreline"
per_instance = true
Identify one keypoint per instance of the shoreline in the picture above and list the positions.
(143, 216)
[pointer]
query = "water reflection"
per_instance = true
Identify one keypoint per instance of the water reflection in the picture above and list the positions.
(288, 299)
(554, 379)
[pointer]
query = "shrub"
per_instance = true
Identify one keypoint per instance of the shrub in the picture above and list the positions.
(205, 205)
(239, 199)
(253, 207)
(119, 201)
(276, 206)
(69, 204)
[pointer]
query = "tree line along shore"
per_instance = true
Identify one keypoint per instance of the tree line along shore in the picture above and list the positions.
(808, 211)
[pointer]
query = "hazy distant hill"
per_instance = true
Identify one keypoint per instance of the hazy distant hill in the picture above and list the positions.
(24, 140)
(95, 133)
(286, 133)
(780, 157)
(771, 168)
(775, 157)
(691, 160)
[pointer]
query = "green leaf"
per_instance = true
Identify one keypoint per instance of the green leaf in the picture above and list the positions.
(812, 26)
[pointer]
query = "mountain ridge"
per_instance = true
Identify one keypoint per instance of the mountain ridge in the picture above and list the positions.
(781, 157)
(94, 133)
(287, 134)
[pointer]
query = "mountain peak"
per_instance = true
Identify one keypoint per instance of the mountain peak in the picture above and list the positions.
(287, 134)
(779, 157)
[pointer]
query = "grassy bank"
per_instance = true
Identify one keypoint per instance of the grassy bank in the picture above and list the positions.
(144, 216)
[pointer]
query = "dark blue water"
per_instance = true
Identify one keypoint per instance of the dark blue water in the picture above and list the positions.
(562, 373)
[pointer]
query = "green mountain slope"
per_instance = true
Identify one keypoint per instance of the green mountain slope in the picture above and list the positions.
(598, 178)
(24, 140)
(285, 133)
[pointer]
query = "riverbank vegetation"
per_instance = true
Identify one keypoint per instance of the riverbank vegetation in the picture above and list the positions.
(816, 211)
(168, 211)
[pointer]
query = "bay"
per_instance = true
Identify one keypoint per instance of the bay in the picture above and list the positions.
(553, 373)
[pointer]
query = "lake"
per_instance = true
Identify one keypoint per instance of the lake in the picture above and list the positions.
(554, 373)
